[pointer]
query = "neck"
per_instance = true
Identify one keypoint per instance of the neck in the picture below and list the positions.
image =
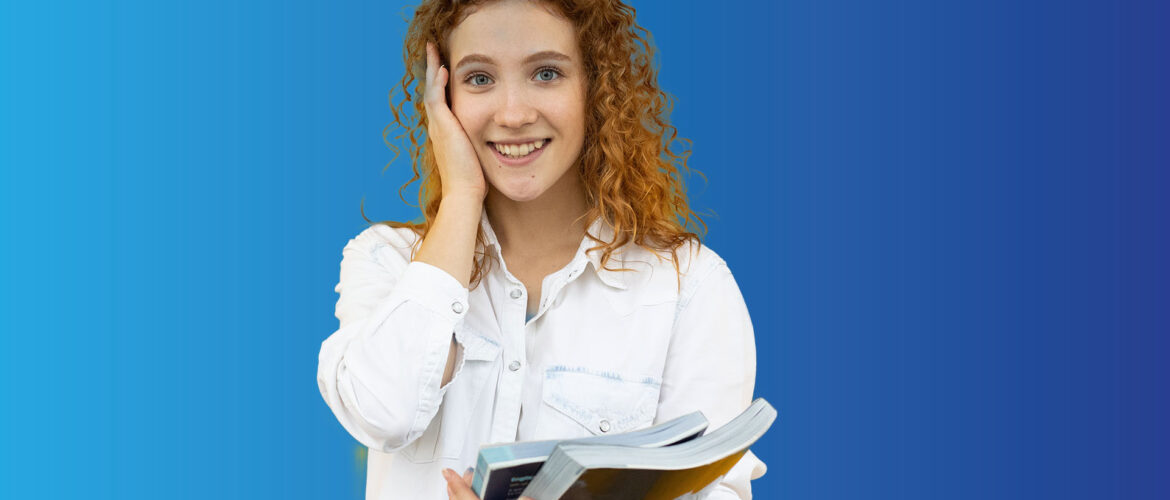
(551, 222)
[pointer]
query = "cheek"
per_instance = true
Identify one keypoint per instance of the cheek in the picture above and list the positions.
(468, 114)
(570, 115)
(576, 111)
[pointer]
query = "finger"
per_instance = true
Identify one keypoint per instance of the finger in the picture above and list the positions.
(451, 495)
(431, 63)
(432, 70)
(436, 84)
(457, 486)
(441, 77)
(467, 475)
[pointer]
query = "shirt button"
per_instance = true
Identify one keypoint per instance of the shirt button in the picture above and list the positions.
(516, 293)
(457, 307)
(604, 426)
(515, 365)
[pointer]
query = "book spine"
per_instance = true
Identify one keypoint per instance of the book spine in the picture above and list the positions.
(477, 478)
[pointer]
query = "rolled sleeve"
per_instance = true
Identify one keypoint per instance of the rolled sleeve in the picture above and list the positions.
(433, 289)
(380, 372)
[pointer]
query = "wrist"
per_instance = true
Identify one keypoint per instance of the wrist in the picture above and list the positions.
(462, 206)
(464, 194)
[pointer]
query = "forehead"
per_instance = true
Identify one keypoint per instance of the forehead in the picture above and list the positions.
(511, 30)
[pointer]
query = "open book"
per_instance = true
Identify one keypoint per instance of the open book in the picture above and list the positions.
(580, 471)
(670, 460)
(504, 470)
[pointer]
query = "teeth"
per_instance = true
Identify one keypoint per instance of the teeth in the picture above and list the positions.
(519, 150)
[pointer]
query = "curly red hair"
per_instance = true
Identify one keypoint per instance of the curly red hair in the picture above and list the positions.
(632, 178)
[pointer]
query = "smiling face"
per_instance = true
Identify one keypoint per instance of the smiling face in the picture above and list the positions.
(518, 85)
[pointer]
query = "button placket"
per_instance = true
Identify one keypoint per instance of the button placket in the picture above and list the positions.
(553, 296)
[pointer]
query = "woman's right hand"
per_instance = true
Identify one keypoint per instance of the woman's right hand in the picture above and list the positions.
(458, 164)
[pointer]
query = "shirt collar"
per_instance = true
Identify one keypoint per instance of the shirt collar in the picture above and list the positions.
(604, 232)
(598, 228)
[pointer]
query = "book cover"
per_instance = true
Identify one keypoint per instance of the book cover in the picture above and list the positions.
(503, 471)
(591, 471)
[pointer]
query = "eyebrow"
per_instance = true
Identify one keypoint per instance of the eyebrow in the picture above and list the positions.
(543, 55)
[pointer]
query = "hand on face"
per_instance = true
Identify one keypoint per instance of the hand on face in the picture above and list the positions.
(518, 79)
(458, 164)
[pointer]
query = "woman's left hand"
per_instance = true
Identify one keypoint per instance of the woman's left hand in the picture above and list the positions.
(459, 488)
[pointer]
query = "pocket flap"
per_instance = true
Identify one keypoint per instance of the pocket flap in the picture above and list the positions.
(476, 346)
(602, 402)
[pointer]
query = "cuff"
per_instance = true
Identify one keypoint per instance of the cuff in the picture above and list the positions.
(434, 289)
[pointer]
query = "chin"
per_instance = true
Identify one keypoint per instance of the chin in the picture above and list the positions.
(522, 190)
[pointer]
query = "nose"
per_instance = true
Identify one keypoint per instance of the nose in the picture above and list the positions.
(516, 110)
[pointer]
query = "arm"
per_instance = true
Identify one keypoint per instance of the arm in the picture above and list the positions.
(381, 372)
(450, 246)
(384, 372)
(450, 241)
(711, 363)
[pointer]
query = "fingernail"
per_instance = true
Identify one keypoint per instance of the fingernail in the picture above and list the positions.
(468, 471)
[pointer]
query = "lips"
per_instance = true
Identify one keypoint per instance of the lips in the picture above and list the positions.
(518, 148)
(517, 161)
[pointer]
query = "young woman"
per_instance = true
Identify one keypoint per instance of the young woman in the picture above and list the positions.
(554, 289)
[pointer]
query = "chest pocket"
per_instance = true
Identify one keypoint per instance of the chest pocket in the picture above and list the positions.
(448, 431)
(582, 402)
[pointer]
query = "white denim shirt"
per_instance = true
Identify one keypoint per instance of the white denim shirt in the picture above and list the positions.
(607, 352)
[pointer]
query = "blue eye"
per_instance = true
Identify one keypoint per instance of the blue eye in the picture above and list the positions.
(551, 74)
(479, 79)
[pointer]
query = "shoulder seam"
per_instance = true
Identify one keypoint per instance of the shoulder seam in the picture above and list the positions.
(692, 285)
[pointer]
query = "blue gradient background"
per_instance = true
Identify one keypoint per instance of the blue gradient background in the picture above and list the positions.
(949, 221)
